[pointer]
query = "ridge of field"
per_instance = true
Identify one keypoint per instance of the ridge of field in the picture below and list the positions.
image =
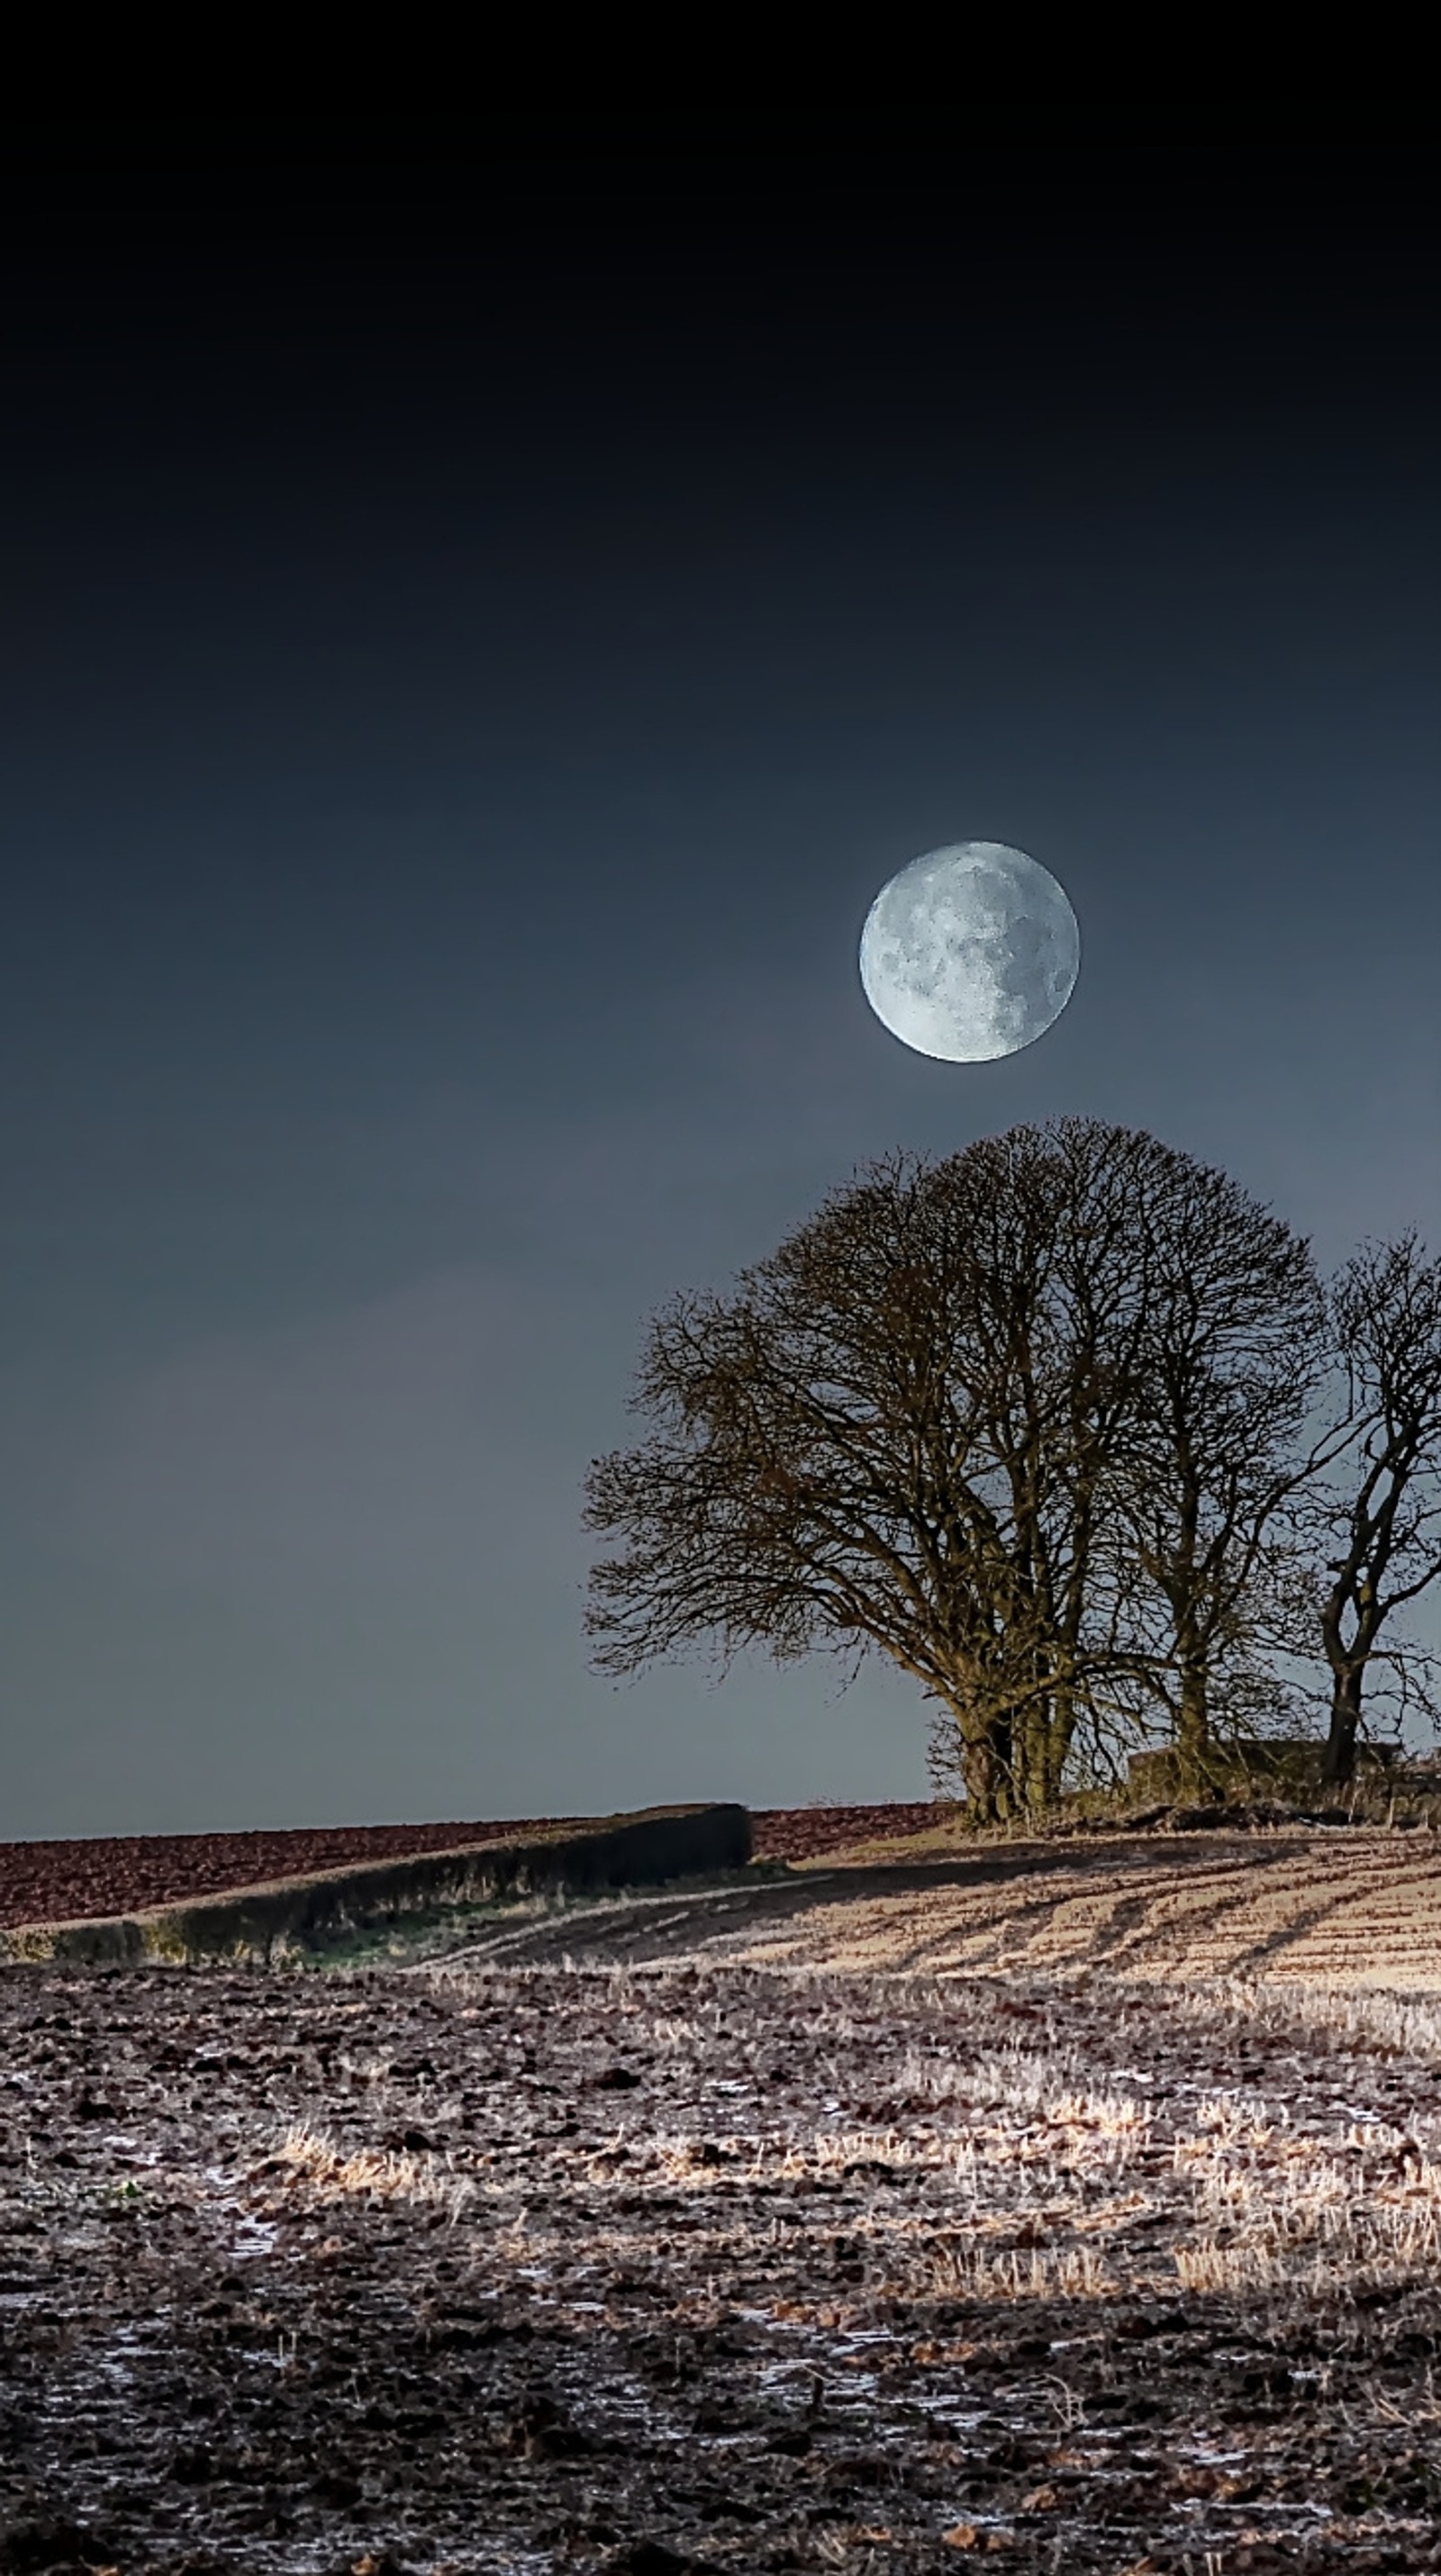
(65, 1881)
(1338, 1909)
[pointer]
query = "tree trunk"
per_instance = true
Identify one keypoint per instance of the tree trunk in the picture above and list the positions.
(1029, 1775)
(1193, 1726)
(986, 1767)
(1052, 1726)
(1340, 1763)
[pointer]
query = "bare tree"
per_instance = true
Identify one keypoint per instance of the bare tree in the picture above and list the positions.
(894, 1436)
(1233, 1351)
(1386, 1528)
(921, 1423)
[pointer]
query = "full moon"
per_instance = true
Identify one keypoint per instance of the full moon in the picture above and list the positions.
(970, 952)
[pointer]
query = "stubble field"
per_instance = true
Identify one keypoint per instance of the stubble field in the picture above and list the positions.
(725, 2231)
(1345, 1908)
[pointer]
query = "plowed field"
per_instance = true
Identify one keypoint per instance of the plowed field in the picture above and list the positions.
(811, 1833)
(490, 2268)
(61, 1882)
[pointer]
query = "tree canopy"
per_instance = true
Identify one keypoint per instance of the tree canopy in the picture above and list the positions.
(1031, 1420)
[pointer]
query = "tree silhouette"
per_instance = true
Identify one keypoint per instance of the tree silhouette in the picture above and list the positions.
(1232, 1356)
(1385, 1529)
(1017, 1419)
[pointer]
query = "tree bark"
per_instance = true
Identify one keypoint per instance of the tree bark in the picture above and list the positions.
(1193, 1717)
(1340, 1763)
(1348, 1659)
(986, 1770)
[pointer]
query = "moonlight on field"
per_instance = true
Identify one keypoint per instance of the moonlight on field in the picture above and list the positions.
(970, 952)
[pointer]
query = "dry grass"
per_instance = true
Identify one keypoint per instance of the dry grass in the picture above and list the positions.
(1355, 1910)
(374, 2174)
(1009, 2176)
(1384, 2022)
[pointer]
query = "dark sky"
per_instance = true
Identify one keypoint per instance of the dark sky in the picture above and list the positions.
(482, 615)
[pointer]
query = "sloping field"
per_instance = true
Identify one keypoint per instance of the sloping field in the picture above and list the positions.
(1350, 1907)
(101, 1874)
(426, 1893)
(61, 1881)
(1337, 1909)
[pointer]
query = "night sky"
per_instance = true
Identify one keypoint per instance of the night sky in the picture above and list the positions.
(482, 616)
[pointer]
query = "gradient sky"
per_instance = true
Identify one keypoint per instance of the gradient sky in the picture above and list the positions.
(480, 622)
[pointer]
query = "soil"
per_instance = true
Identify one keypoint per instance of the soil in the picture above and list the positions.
(813, 1833)
(638, 2240)
(59, 1882)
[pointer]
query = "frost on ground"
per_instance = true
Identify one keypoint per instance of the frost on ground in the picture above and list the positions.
(487, 2266)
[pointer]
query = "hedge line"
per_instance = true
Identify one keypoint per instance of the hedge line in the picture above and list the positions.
(299, 1914)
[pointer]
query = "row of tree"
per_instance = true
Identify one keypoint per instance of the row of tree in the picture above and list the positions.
(1067, 1425)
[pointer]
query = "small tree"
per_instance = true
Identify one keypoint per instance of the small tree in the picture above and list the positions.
(1385, 1529)
(926, 1423)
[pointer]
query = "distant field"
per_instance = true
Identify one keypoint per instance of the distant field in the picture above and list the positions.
(814, 1833)
(55, 1882)
(58, 1882)
(895, 1889)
